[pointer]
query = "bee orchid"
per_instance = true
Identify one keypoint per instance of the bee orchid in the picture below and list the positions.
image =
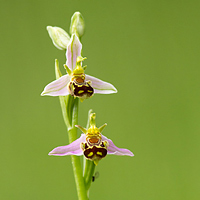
(92, 144)
(76, 82)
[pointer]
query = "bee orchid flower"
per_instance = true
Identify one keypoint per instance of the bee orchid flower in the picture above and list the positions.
(92, 144)
(76, 82)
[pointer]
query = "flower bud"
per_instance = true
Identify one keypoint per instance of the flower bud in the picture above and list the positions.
(59, 37)
(77, 25)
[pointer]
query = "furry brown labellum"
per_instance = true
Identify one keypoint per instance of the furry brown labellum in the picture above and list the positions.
(78, 87)
(95, 152)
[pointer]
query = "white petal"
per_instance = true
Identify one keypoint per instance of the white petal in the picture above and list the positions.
(73, 51)
(100, 86)
(57, 87)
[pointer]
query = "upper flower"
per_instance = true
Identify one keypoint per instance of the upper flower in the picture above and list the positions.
(76, 82)
(92, 144)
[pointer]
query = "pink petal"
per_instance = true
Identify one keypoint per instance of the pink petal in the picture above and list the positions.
(112, 149)
(73, 51)
(71, 149)
(100, 87)
(57, 87)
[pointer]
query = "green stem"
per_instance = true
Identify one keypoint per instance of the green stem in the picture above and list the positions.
(88, 173)
(76, 162)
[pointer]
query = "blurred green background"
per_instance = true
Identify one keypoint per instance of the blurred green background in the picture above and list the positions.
(150, 51)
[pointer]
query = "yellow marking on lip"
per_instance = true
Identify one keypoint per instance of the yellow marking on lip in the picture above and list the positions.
(99, 153)
(90, 154)
(80, 91)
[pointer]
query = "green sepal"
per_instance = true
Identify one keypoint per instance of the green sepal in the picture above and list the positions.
(57, 69)
(67, 69)
(81, 128)
(102, 127)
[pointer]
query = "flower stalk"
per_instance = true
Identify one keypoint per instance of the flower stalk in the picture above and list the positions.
(69, 107)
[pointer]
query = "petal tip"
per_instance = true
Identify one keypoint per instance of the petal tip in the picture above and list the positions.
(44, 93)
(48, 27)
(128, 153)
(115, 91)
(132, 154)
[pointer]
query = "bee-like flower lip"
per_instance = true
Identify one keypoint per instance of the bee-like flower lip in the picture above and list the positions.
(82, 90)
(95, 152)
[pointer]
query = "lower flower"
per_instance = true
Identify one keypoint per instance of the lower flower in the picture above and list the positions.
(92, 152)
(92, 144)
